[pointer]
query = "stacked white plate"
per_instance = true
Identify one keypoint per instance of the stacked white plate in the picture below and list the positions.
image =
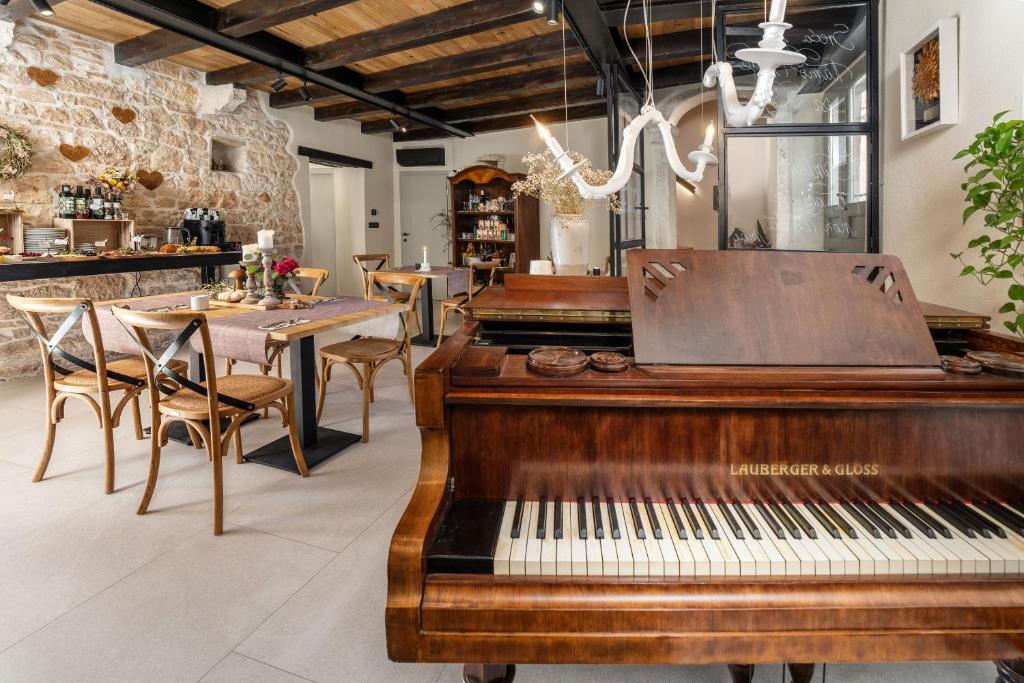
(40, 239)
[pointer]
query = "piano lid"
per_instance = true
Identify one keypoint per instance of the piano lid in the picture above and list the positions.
(744, 308)
(553, 298)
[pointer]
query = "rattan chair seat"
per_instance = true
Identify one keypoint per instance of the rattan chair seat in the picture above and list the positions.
(367, 349)
(256, 389)
(132, 367)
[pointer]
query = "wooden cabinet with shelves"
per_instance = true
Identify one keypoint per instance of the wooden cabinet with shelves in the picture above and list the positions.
(521, 220)
(117, 233)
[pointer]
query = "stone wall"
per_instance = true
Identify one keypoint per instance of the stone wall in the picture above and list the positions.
(169, 134)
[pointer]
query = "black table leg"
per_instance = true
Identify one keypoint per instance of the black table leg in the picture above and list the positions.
(318, 443)
(426, 337)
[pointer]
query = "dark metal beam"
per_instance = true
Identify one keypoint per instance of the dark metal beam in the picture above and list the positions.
(550, 116)
(591, 30)
(162, 14)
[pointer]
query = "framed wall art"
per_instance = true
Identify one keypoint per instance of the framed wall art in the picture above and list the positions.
(929, 81)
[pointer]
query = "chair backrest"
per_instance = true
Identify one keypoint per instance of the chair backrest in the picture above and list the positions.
(489, 267)
(318, 275)
(73, 309)
(369, 263)
(414, 282)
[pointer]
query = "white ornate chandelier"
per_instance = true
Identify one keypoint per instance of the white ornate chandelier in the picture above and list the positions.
(769, 55)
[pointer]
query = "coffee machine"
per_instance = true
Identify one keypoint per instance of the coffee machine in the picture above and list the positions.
(204, 226)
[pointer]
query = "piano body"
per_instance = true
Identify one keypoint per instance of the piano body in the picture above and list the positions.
(783, 474)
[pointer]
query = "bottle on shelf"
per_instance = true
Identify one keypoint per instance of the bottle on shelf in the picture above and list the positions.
(108, 209)
(96, 204)
(81, 203)
(65, 202)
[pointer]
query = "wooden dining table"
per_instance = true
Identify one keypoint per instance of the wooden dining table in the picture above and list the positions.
(318, 443)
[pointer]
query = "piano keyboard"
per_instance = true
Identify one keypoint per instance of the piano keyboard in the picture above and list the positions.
(697, 538)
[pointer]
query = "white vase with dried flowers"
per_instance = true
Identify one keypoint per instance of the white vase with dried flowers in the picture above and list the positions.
(570, 230)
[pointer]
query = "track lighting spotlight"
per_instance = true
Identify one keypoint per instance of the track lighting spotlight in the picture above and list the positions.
(554, 6)
(279, 84)
(398, 128)
(42, 7)
(304, 92)
(538, 6)
(3, 3)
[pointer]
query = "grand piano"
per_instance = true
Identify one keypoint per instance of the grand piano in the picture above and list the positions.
(783, 473)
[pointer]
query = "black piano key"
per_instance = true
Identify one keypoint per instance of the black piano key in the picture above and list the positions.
(542, 517)
(598, 522)
(748, 522)
(698, 532)
(653, 516)
(581, 512)
(868, 513)
(927, 518)
(823, 520)
(967, 519)
(637, 522)
(837, 518)
(910, 517)
(1004, 514)
(954, 521)
(677, 521)
(980, 519)
(558, 519)
(863, 521)
(781, 515)
(1017, 505)
(613, 520)
(737, 530)
(708, 520)
(799, 519)
(517, 518)
(896, 524)
(771, 521)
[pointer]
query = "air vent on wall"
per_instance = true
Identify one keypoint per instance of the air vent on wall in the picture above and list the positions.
(420, 156)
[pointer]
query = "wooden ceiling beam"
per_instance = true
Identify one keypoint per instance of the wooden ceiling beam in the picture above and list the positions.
(673, 45)
(550, 116)
(444, 24)
(527, 82)
(500, 109)
(239, 19)
(518, 53)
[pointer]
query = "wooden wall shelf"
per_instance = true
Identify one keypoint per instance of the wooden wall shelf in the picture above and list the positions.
(523, 221)
(118, 233)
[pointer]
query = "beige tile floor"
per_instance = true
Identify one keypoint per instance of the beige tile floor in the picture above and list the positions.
(293, 591)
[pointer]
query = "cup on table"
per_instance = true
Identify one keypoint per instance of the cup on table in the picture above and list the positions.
(200, 302)
(542, 267)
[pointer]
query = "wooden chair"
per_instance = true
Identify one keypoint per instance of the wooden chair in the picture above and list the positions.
(371, 263)
(95, 377)
(456, 303)
(201, 406)
(275, 349)
(372, 352)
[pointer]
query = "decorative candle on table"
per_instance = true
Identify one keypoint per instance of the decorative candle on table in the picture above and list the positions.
(265, 242)
(425, 266)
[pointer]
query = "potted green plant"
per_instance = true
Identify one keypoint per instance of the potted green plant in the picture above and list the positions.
(996, 189)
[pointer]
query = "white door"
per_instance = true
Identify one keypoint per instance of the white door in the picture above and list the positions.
(423, 195)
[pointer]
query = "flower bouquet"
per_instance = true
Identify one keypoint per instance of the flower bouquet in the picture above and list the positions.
(15, 153)
(119, 181)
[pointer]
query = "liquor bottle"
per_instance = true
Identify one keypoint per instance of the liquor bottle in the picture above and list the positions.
(96, 205)
(65, 203)
(81, 203)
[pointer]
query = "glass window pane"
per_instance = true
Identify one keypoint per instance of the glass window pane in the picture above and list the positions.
(831, 86)
(807, 193)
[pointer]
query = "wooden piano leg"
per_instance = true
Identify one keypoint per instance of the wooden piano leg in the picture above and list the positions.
(741, 673)
(801, 673)
(1010, 671)
(489, 673)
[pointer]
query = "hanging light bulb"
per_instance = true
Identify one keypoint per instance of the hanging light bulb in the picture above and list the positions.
(536, 5)
(553, 7)
(42, 7)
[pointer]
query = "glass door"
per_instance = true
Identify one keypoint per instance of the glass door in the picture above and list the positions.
(628, 230)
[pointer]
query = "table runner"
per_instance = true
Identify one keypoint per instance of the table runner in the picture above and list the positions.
(116, 339)
(458, 278)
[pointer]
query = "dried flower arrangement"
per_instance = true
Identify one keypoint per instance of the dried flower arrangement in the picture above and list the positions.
(117, 180)
(926, 72)
(542, 172)
(15, 153)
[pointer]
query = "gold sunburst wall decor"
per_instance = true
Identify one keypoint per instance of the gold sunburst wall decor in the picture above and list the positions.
(926, 72)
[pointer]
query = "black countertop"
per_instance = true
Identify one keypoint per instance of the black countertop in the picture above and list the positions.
(41, 269)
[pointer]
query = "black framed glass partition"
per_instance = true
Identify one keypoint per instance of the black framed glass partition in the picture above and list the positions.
(627, 230)
(805, 175)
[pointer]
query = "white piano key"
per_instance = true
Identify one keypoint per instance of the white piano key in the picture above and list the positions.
(517, 560)
(1012, 545)
(731, 561)
(623, 548)
(842, 561)
(868, 558)
(593, 544)
(762, 560)
(986, 556)
(879, 558)
(666, 547)
(609, 552)
(563, 546)
(578, 546)
(901, 561)
(548, 558)
(655, 561)
(929, 559)
(775, 559)
(641, 564)
(503, 549)
(684, 564)
(747, 565)
(533, 544)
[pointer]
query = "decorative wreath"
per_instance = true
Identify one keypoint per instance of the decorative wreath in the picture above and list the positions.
(15, 153)
(926, 73)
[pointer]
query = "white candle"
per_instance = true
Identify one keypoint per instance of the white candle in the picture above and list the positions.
(778, 12)
(709, 135)
(265, 239)
(248, 252)
(425, 254)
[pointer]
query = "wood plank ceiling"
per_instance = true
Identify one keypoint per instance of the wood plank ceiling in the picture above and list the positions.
(478, 65)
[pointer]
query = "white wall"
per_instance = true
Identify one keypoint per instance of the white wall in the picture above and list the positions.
(921, 200)
(587, 137)
(696, 218)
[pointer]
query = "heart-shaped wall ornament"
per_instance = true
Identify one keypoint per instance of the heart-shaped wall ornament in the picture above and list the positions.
(265, 197)
(150, 179)
(123, 114)
(74, 153)
(43, 77)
